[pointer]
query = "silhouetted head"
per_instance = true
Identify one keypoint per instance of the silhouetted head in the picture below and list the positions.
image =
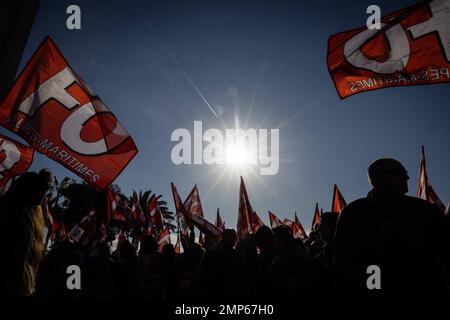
(282, 237)
(388, 177)
(229, 238)
(149, 245)
(30, 188)
(127, 251)
(168, 252)
(264, 238)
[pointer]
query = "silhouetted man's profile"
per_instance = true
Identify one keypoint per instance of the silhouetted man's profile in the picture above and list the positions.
(408, 238)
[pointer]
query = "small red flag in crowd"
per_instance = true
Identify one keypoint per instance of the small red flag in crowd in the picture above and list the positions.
(55, 111)
(338, 202)
(219, 222)
(85, 230)
(424, 189)
(316, 218)
(411, 48)
(255, 222)
(274, 220)
(117, 207)
(244, 213)
(163, 239)
(15, 159)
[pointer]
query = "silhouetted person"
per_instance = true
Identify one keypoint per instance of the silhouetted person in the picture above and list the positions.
(408, 238)
(264, 242)
(21, 239)
(216, 268)
(149, 278)
(292, 264)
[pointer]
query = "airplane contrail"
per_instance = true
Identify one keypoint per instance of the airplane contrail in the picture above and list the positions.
(178, 64)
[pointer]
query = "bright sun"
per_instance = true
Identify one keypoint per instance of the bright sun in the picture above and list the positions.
(236, 154)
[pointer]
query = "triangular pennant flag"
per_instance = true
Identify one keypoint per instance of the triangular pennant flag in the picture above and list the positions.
(338, 202)
(274, 220)
(424, 189)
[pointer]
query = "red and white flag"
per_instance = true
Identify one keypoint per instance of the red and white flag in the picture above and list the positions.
(274, 220)
(411, 48)
(137, 214)
(117, 207)
(244, 213)
(85, 230)
(338, 202)
(298, 232)
(194, 206)
(55, 111)
(201, 223)
(255, 222)
(163, 239)
(155, 216)
(316, 218)
(219, 222)
(15, 159)
(298, 223)
(424, 189)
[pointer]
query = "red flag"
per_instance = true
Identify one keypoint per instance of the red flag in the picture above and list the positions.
(219, 223)
(164, 238)
(194, 206)
(255, 222)
(52, 108)
(316, 218)
(85, 230)
(274, 220)
(245, 210)
(137, 214)
(178, 245)
(201, 223)
(15, 159)
(424, 189)
(117, 207)
(411, 48)
(338, 201)
(297, 222)
(298, 231)
(121, 237)
(155, 216)
(288, 222)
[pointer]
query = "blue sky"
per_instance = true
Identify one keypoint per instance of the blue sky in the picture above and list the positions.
(270, 52)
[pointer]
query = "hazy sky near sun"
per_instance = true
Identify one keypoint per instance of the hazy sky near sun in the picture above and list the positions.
(264, 61)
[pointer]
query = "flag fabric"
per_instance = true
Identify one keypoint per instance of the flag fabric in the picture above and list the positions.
(194, 206)
(411, 48)
(155, 217)
(424, 189)
(178, 245)
(55, 111)
(297, 232)
(121, 237)
(338, 202)
(163, 239)
(298, 223)
(137, 214)
(84, 231)
(288, 222)
(255, 222)
(447, 211)
(274, 220)
(219, 222)
(201, 223)
(244, 213)
(316, 218)
(117, 207)
(15, 159)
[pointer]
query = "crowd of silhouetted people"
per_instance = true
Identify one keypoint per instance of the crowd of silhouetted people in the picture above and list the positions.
(407, 238)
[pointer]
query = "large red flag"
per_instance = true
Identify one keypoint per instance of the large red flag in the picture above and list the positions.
(15, 159)
(194, 206)
(52, 108)
(424, 189)
(274, 220)
(338, 202)
(316, 218)
(411, 48)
